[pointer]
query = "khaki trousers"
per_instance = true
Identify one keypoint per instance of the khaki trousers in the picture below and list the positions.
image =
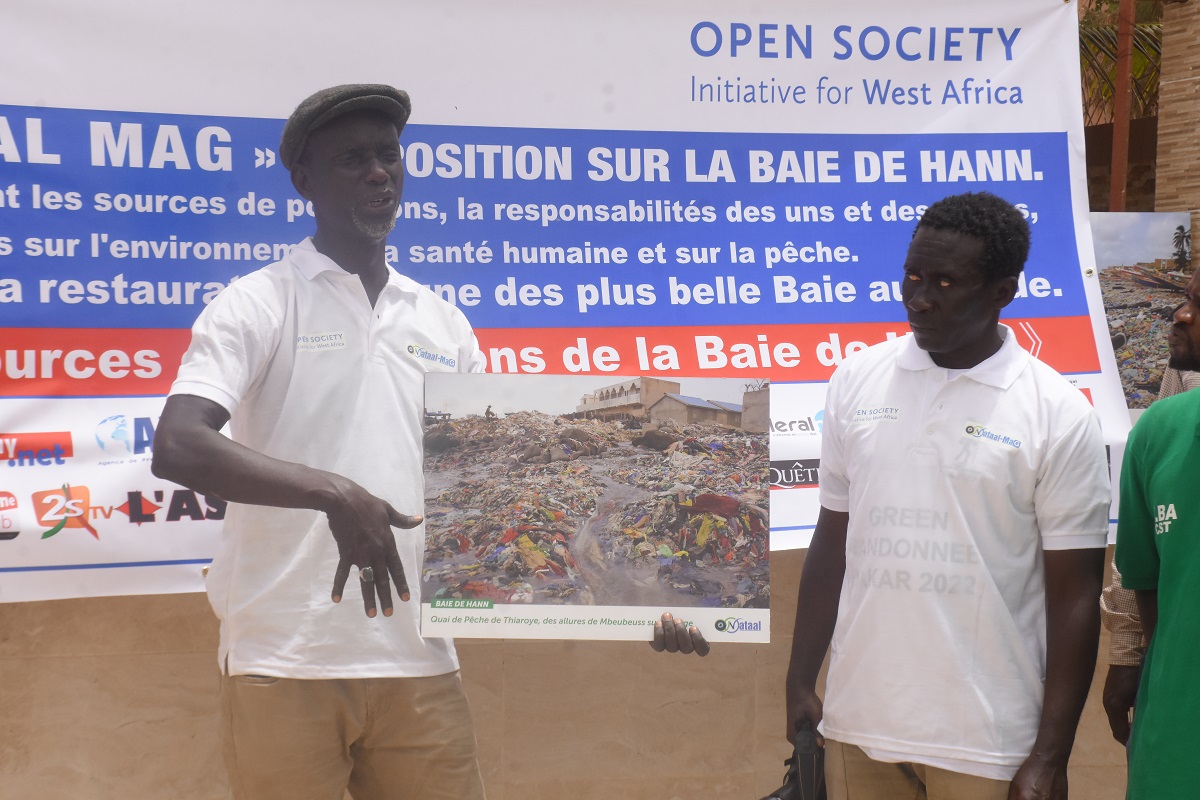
(383, 739)
(851, 775)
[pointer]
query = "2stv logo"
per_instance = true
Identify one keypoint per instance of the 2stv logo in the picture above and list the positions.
(8, 521)
(71, 507)
(66, 507)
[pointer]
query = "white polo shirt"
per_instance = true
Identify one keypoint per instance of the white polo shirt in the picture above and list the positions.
(955, 482)
(312, 374)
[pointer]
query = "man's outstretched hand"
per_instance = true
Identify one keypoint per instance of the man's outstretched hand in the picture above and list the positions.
(362, 527)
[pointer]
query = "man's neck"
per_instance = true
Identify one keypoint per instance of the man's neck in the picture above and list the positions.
(366, 259)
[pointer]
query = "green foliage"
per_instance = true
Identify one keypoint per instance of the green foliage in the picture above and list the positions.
(1098, 59)
(1106, 12)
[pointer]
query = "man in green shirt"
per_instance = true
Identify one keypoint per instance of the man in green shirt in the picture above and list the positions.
(1158, 554)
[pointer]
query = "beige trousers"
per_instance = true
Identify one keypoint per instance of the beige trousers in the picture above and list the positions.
(383, 739)
(851, 775)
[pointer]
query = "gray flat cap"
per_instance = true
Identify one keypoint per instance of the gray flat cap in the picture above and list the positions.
(328, 104)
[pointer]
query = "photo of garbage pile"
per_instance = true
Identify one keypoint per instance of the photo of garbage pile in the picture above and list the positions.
(1145, 264)
(540, 507)
(1139, 306)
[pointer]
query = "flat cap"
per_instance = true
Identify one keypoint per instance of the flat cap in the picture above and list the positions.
(329, 104)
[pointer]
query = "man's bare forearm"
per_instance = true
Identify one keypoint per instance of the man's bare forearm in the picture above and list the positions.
(817, 598)
(1073, 582)
(190, 450)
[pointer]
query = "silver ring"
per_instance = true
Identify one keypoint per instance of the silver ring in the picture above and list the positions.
(366, 575)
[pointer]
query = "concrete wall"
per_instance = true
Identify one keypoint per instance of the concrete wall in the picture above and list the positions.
(116, 699)
(654, 389)
(756, 411)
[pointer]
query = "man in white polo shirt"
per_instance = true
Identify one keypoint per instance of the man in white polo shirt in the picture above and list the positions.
(958, 556)
(318, 362)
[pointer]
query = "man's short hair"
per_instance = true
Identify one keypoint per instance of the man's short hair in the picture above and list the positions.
(991, 219)
(327, 105)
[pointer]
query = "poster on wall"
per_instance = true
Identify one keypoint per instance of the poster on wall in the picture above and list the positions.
(576, 507)
(1144, 260)
(731, 198)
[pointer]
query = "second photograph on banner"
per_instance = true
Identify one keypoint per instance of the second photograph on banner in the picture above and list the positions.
(583, 507)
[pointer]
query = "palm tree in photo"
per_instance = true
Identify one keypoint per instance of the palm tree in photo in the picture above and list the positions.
(1182, 241)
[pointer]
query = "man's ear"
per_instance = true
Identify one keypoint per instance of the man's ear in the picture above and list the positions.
(1005, 290)
(300, 179)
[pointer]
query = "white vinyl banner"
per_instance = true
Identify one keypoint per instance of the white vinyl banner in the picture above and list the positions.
(618, 188)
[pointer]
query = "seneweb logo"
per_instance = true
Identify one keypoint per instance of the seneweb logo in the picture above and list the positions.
(8, 524)
(65, 507)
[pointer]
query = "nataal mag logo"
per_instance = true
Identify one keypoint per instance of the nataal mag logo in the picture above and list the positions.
(736, 625)
(976, 430)
(417, 351)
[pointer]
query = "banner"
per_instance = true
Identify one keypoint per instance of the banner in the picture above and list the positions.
(617, 190)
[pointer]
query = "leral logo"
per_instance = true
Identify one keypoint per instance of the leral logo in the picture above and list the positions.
(808, 426)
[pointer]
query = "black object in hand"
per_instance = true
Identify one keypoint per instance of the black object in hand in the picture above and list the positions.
(805, 777)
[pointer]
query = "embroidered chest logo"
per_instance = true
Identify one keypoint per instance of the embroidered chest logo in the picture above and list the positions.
(876, 414)
(975, 430)
(427, 355)
(326, 340)
(1164, 516)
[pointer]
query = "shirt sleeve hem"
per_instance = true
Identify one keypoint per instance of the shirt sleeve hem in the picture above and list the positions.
(1075, 541)
(219, 396)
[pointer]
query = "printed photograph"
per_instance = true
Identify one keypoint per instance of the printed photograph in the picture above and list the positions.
(1145, 264)
(608, 491)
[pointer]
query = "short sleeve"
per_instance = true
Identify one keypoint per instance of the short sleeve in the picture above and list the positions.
(232, 341)
(471, 358)
(834, 480)
(1073, 493)
(1137, 554)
